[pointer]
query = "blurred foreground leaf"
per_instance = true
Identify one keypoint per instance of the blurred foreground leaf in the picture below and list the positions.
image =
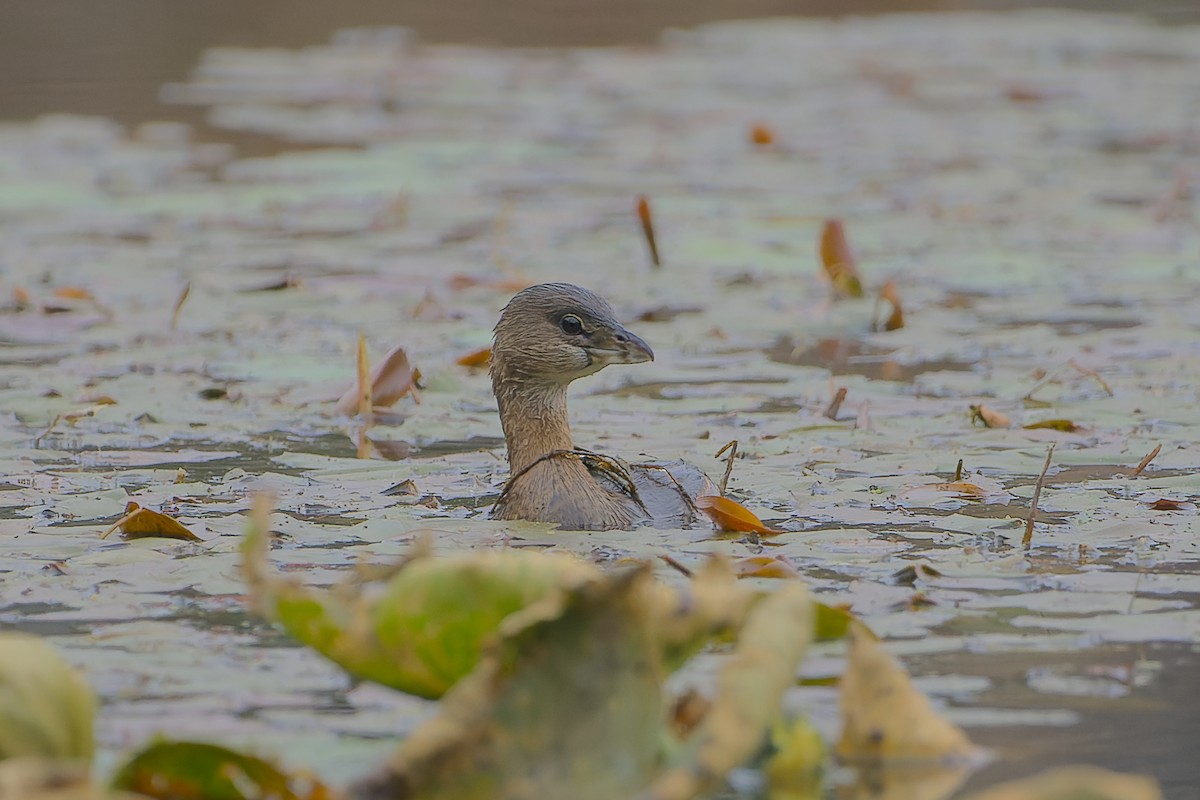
(794, 771)
(751, 682)
(569, 701)
(34, 778)
(421, 630)
(885, 718)
(46, 707)
(1075, 783)
(567, 704)
(831, 622)
(186, 770)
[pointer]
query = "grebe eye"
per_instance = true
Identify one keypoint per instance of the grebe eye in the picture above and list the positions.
(571, 324)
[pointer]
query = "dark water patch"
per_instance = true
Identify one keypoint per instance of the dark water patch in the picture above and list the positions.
(1081, 473)
(1069, 325)
(338, 445)
(327, 516)
(853, 357)
(25, 617)
(1144, 728)
(675, 390)
(446, 447)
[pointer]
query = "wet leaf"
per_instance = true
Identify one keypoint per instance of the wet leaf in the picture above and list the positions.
(1064, 425)
(730, 515)
(186, 770)
(476, 359)
(838, 261)
(1075, 783)
(406, 488)
(392, 378)
(46, 707)
(141, 523)
(885, 718)
(989, 417)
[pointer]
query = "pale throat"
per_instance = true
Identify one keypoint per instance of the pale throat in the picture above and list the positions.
(534, 419)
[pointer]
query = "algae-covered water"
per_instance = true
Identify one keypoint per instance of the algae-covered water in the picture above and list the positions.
(1026, 180)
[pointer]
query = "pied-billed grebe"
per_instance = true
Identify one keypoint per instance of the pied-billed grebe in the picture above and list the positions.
(549, 335)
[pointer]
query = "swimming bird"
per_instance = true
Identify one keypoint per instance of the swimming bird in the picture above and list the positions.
(548, 336)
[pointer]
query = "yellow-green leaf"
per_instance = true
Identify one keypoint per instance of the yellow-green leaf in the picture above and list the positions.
(46, 707)
(186, 770)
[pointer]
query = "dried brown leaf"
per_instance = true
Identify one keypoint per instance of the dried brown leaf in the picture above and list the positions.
(1145, 462)
(1167, 504)
(838, 262)
(647, 219)
(392, 378)
(141, 523)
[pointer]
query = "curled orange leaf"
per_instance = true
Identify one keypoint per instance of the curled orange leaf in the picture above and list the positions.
(837, 260)
(476, 358)
(730, 515)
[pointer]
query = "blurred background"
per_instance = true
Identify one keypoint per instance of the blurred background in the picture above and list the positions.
(109, 58)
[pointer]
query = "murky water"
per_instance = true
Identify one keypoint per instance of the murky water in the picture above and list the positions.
(430, 180)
